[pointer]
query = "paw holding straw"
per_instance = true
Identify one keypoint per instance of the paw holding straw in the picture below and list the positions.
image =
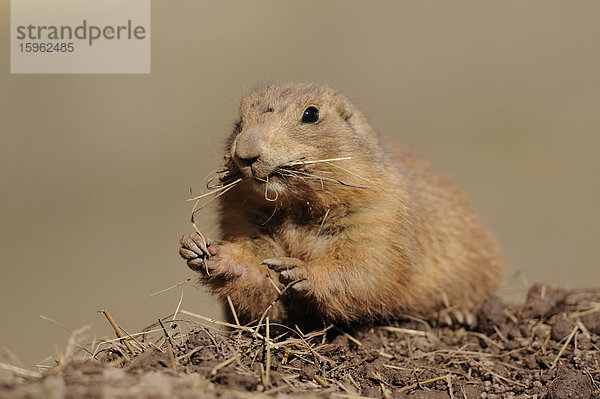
(196, 249)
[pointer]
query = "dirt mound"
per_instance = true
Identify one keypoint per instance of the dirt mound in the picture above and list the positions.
(547, 347)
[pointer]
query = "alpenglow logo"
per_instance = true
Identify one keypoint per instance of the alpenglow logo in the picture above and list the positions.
(82, 32)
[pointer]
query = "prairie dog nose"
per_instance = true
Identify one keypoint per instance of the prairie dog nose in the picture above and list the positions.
(249, 144)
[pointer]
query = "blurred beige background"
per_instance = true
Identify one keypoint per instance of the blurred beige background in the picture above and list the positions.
(95, 169)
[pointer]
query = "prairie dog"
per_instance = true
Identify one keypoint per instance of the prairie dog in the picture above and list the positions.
(358, 230)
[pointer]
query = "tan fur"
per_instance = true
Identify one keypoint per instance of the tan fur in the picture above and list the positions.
(398, 246)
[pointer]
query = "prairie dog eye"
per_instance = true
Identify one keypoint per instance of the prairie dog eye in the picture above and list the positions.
(310, 115)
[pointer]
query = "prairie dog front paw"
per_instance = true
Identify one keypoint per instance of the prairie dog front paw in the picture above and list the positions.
(197, 249)
(291, 270)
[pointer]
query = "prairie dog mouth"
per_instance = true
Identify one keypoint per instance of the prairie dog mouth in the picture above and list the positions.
(271, 187)
(274, 180)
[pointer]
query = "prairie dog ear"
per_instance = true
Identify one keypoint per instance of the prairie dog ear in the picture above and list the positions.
(343, 107)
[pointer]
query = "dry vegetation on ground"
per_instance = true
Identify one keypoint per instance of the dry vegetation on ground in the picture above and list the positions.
(547, 347)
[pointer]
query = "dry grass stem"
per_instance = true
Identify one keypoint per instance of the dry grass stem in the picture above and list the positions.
(219, 366)
(214, 191)
(233, 312)
(449, 383)
(307, 175)
(178, 307)
(487, 339)
(267, 186)
(117, 331)
(73, 334)
(350, 337)
(289, 169)
(583, 329)
(169, 345)
(219, 193)
(421, 383)
(500, 335)
(18, 371)
(321, 381)
(564, 347)
(262, 317)
(221, 323)
(273, 283)
(406, 331)
(594, 309)
(114, 340)
(504, 378)
(268, 356)
(368, 181)
(300, 162)
(55, 322)
(187, 280)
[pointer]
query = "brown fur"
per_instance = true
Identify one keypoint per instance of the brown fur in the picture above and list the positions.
(399, 246)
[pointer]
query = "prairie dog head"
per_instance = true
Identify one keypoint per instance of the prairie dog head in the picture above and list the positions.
(282, 126)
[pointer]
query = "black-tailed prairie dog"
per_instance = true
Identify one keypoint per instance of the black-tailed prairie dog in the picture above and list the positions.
(322, 220)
